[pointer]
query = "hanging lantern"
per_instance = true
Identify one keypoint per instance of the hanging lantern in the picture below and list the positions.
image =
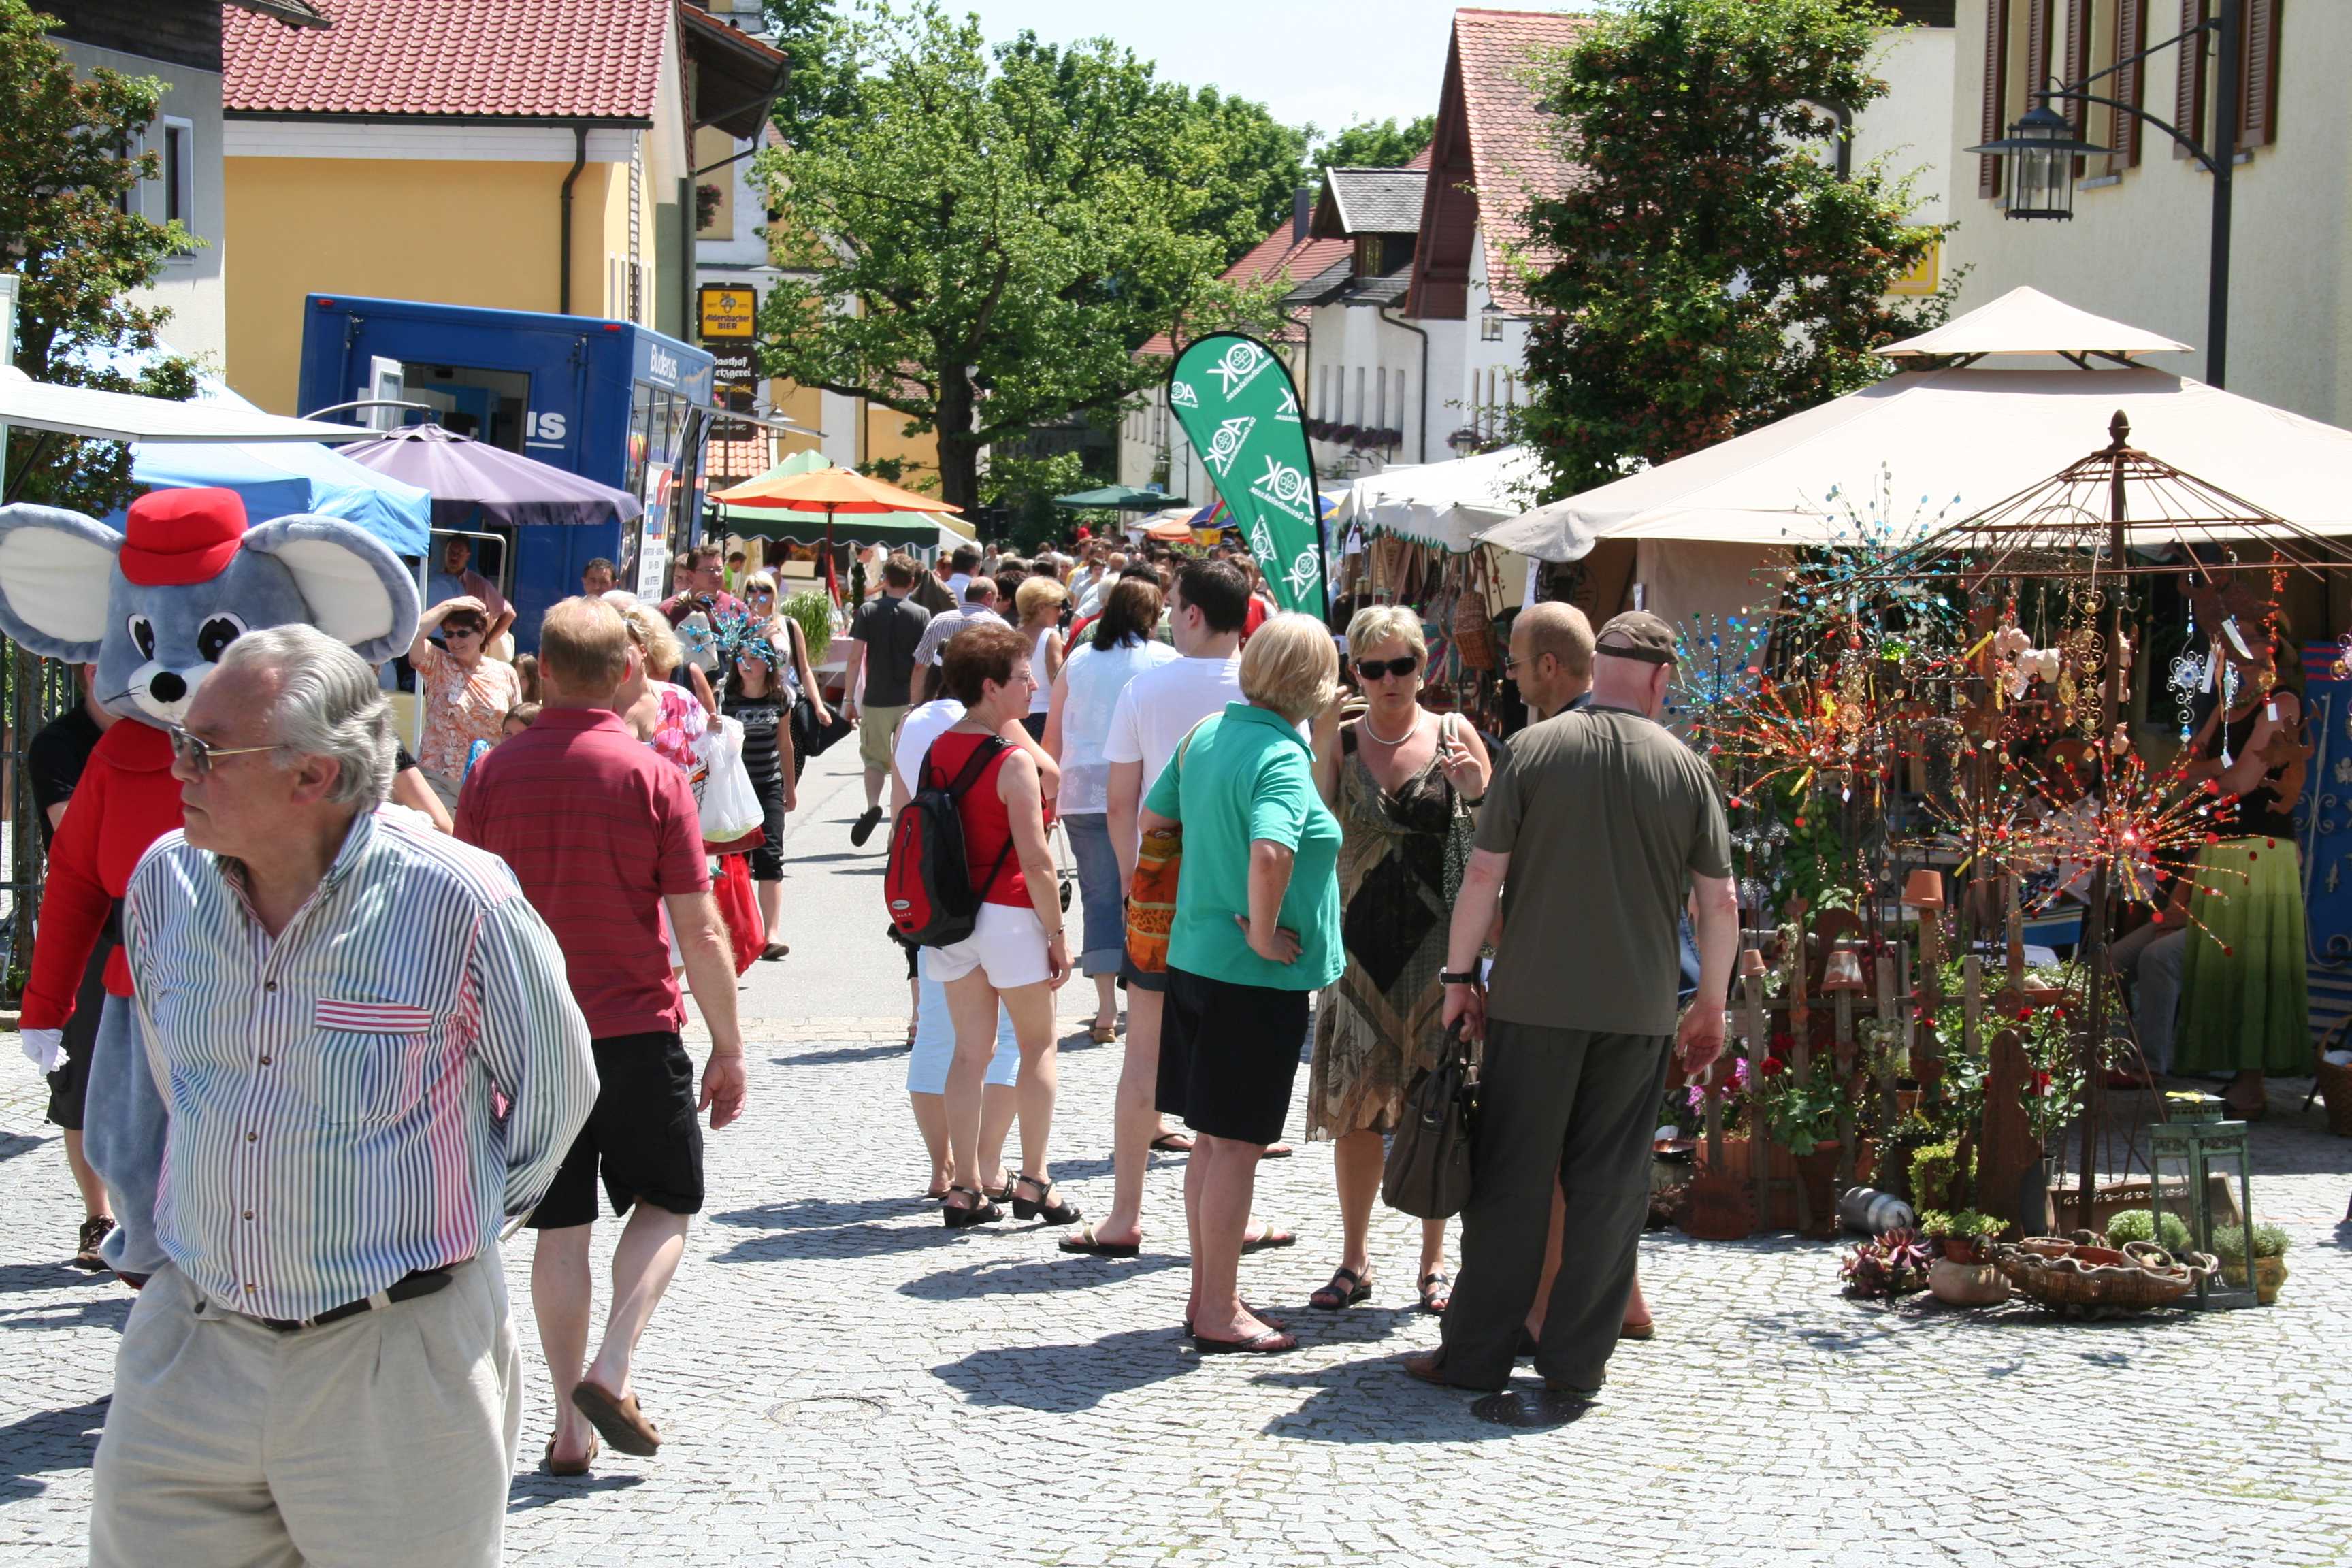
(2041, 148)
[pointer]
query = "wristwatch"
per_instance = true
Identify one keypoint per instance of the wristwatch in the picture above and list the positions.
(1447, 978)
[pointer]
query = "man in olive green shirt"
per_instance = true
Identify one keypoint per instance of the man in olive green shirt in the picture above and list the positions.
(1592, 838)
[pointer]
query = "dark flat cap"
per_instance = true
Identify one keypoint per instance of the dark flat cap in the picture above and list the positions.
(1637, 633)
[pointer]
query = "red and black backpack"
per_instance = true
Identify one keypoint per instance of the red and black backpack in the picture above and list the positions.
(927, 881)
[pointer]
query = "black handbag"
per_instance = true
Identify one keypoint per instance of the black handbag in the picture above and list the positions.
(1428, 1169)
(811, 739)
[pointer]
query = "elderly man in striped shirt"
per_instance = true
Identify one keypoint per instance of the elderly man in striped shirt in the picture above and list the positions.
(322, 1367)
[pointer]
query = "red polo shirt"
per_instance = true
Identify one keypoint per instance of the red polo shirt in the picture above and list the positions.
(598, 829)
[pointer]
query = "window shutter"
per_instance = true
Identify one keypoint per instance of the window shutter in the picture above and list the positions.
(2078, 65)
(2037, 48)
(2258, 95)
(2189, 87)
(2131, 37)
(1996, 93)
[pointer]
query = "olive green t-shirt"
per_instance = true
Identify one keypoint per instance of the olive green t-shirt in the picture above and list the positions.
(1606, 817)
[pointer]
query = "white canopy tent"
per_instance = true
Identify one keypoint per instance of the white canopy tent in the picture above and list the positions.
(1949, 443)
(1444, 504)
(32, 405)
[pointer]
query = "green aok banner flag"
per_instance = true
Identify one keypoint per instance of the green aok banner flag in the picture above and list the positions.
(1235, 400)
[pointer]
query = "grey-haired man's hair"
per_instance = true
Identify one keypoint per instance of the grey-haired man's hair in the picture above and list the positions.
(329, 705)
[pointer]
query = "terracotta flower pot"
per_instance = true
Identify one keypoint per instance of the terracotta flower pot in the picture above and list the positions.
(1965, 1284)
(2269, 1273)
(1967, 1250)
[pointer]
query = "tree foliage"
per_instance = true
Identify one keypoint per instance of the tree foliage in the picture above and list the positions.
(981, 239)
(1376, 145)
(1709, 271)
(65, 180)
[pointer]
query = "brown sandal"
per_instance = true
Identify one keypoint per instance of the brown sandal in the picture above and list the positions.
(579, 1466)
(619, 1419)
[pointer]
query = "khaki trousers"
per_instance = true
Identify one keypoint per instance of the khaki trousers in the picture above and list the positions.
(387, 1437)
(1574, 1110)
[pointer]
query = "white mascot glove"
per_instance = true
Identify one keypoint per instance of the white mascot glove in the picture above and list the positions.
(45, 1049)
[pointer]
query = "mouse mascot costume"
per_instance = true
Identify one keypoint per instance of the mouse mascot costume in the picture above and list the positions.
(154, 607)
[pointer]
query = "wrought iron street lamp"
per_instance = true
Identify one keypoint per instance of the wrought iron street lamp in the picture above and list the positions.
(2042, 149)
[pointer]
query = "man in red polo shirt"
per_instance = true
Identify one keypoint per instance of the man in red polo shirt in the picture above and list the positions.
(605, 837)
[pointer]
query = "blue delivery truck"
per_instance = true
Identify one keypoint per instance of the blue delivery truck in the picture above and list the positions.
(610, 401)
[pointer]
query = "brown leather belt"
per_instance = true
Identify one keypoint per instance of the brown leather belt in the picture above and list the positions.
(424, 1282)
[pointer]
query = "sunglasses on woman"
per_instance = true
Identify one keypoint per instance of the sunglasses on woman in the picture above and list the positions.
(1378, 668)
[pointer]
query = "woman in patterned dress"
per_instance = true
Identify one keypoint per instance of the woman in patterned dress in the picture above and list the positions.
(1402, 783)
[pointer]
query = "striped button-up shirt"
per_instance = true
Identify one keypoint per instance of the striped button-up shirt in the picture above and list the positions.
(331, 1125)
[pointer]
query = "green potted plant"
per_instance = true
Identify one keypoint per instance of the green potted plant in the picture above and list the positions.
(1941, 1176)
(1963, 1234)
(812, 609)
(2138, 1225)
(2270, 1244)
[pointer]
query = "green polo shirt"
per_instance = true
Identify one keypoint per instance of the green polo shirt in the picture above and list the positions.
(1245, 776)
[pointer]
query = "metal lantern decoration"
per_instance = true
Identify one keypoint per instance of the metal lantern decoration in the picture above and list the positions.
(1490, 323)
(2184, 1158)
(2041, 148)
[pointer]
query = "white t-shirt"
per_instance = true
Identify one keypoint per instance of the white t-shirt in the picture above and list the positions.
(1158, 708)
(921, 726)
(957, 585)
(1092, 681)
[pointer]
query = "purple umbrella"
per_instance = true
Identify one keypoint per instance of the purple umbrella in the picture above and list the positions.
(465, 476)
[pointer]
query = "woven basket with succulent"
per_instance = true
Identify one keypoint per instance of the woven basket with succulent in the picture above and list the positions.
(2086, 1277)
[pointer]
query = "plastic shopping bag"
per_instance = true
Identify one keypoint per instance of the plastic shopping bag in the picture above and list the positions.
(731, 806)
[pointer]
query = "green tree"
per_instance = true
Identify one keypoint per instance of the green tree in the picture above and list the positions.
(1375, 144)
(984, 239)
(1255, 170)
(64, 183)
(1710, 271)
(823, 78)
(1025, 485)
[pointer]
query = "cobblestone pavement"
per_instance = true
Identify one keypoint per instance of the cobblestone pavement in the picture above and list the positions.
(845, 1382)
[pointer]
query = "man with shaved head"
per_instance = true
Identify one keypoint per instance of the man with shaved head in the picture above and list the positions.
(1552, 658)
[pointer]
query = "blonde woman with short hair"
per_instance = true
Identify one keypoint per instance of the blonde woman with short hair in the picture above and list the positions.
(1038, 603)
(1404, 783)
(1257, 931)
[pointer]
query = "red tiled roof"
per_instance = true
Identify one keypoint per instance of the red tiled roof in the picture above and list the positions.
(1492, 138)
(589, 60)
(1275, 255)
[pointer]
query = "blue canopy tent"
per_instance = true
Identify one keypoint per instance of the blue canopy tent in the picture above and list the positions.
(290, 477)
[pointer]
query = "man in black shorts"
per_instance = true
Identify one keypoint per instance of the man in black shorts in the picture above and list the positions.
(53, 763)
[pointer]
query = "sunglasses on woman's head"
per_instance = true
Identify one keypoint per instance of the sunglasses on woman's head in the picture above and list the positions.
(1377, 668)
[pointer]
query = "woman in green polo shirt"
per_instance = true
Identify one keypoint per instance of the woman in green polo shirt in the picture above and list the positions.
(1256, 930)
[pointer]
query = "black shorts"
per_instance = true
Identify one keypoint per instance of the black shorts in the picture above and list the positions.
(70, 1085)
(1229, 1055)
(643, 1133)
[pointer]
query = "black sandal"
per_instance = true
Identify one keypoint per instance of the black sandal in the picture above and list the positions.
(1335, 1296)
(1041, 1208)
(1435, 1300)
(980, 1212)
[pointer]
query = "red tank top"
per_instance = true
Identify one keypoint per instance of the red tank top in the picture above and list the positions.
(987, 825)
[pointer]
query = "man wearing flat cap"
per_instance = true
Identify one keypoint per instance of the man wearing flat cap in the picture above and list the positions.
(1593, 837)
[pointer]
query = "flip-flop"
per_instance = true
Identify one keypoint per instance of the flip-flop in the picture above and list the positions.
(622, 1423)
(1269, 1237)
(578, 1467)
(1645, 1329)
(1254, 1310)
(1277, 1152)
(1085, 1242)
(1173, 1143)
(1271, 1342)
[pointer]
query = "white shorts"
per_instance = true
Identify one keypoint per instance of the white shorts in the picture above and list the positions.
(1008, 945)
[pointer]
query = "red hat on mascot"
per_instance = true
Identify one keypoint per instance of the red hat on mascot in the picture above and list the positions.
(179, 537)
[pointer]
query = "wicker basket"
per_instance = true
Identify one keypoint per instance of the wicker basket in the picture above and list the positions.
(2078, 1279)
(2335, 1082)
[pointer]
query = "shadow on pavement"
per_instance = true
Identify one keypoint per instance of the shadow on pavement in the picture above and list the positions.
(1060, 1379)
(1375, 1400)
(835, 1228)
(1073, 1271)
(51, 1441)
(840, 1054)
(534, 1489)
(15, 1143)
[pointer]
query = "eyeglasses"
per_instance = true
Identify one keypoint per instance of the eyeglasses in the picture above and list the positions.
(1378, 669)
(196, 754)
(461, 631)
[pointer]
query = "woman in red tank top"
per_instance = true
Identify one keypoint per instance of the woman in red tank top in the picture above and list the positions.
(1016, 954)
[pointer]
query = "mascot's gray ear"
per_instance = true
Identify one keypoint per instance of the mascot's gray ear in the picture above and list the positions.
(356, 588)
(57, 569)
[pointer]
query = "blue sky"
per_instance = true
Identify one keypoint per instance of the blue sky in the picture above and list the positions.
(1325, 62)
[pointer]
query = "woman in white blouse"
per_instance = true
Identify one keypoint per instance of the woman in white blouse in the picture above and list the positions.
(1117, 647)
